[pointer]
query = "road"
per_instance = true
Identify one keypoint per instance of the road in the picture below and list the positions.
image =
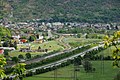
(49, 56)
(61, 42)
(65, 59)
(52, 55)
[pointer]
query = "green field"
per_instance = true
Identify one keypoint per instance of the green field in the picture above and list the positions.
(108, 51)
(75, 42)
(104, 71)
(82, 40)
(50, 45)
(16, 53)
(54, 45)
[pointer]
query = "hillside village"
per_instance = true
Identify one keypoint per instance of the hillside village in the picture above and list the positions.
(23, 30)
(59, 39)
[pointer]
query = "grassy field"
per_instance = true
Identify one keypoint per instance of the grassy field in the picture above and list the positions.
(104, 71)
(108, 51)
(54, 45)
(16, 53)
(75, 42)
(50, 45)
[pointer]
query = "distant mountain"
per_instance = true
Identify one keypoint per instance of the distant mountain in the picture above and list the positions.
(67, 10)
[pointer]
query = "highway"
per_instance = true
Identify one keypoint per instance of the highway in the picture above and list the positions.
(62, 60)
(52, 55)
(49, 56)
(65, 59)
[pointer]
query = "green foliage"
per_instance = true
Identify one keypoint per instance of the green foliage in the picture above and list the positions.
(62, 10)
(4, 32)
(6, 52)
(2, 74)
(32, 38)
(79, 35)
(15, 59)
(10, 44)
(6, 44)
(58, 57)
(87, 66)
(102, 72)
(28, 55)
(19, 69)
(2, 63)
(21, 56)
(77, 61)
(3, 12)
(15, 45)
(23, 37)
(81, 30)
(113, 41)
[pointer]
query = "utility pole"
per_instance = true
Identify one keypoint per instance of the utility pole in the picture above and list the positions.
(75, 73)
(55, 72)
(76, 69)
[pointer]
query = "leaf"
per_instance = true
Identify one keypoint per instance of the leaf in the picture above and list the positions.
(106, 37)
(118, 34)
(2, 73)
(115, 64)
(106, 44)
(19, 68)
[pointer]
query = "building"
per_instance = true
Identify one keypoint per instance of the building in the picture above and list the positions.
(40, 40)
(7, 48)
(25, 49)
(23, 40)
(1, 50)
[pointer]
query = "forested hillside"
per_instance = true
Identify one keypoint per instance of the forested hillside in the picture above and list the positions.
(67, 10)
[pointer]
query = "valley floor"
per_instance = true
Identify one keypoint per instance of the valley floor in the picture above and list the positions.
(103, 71)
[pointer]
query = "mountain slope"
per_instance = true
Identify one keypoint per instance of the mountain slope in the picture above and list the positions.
(70, 10)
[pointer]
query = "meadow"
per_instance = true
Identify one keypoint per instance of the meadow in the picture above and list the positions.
(75, 42)
(104, 71)
(108, 51)
(50, 45)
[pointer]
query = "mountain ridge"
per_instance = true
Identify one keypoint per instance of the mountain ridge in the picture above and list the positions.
(67, 10)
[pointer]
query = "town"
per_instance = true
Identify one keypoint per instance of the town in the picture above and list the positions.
(59, 39)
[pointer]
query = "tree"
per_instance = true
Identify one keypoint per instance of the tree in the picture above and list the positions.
(86, 36)
(21, 56)
(19, 70)
(15, 59)
(6, 52)
(6, 44)
(37, 36)
(46, 50)
(32, 38)
(39, 48)
(116, 27)
(10, 43)
(87, 66)
(79, 35)
(23, 37)
(2, 63)
(77, 61)
(15, 45)
(113, 41)
(28, 55)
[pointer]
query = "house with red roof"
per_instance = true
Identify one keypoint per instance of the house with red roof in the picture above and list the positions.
(1, 50)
